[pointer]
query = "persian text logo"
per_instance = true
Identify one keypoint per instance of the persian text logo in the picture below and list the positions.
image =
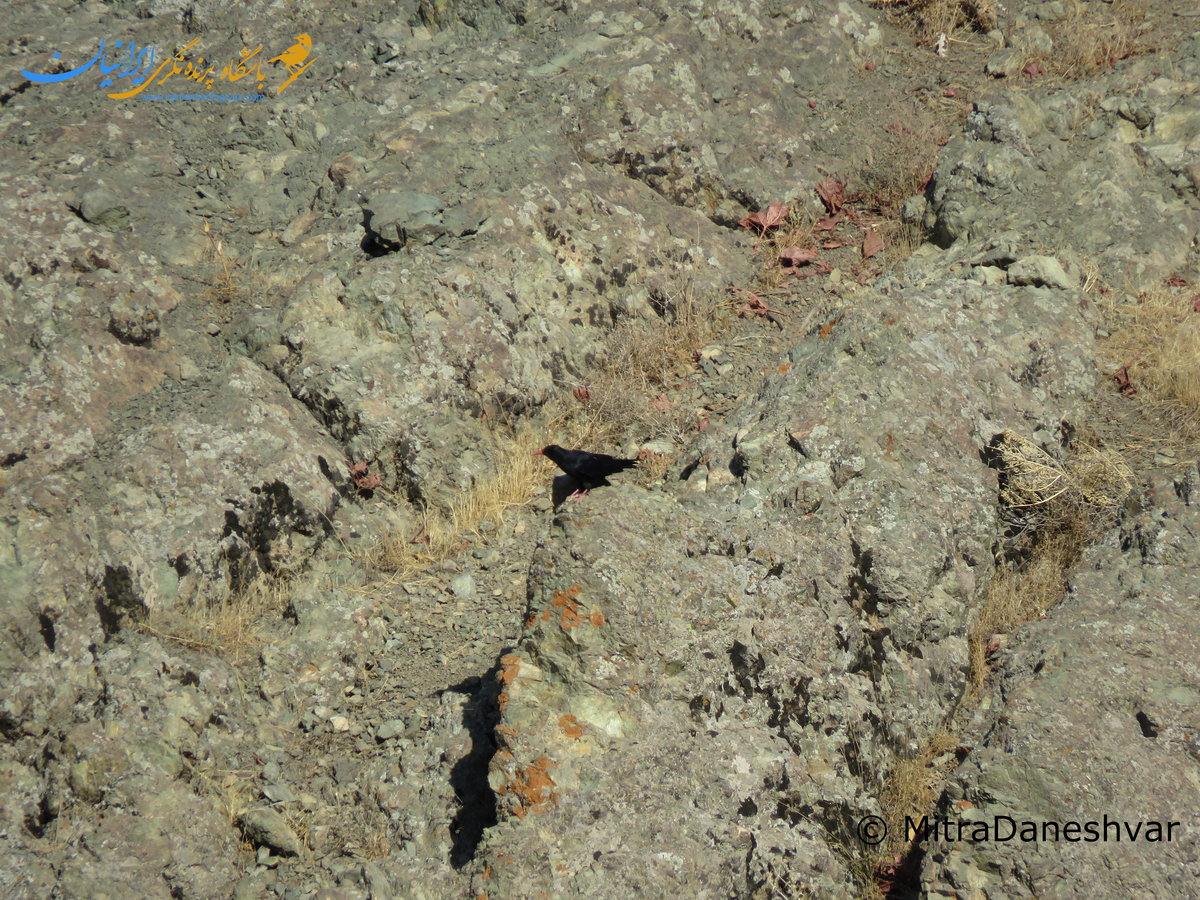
(138, 67)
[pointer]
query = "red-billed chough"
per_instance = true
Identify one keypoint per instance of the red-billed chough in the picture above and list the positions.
(589, 470)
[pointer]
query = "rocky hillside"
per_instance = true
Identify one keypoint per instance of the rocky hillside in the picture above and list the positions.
(896, 303)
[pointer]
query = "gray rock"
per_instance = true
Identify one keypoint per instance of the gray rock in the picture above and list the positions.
(395, 218)
(133, 323)
(463, 586)
(1005, 63)
(268, 828)
(435, 229)
(390, 729)
(279, 793)
(1043, 271)
(101, 206)
(625, 657)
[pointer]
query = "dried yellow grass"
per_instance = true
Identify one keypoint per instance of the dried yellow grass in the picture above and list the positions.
(226, 281)
(231, 627)
(930, 18)
(1157, 338)
(1057, 507)
(799, 229)
(1039, 491)
(624, 397)
(1093, 37)
(514, 482)
(1016, 595)
(911, 789)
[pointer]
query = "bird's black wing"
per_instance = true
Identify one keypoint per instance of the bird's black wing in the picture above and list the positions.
(598, 466)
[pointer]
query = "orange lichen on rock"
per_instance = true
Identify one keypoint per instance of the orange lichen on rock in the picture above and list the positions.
(510, 665)
(532, 787)
(568, 602)
(570, 726)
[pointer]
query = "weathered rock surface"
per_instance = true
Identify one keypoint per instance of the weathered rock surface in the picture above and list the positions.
(1091, 720)
(802, 616)
(212, 311)
(1105, 170)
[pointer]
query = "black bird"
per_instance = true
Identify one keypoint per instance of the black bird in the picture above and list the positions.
(588, 469)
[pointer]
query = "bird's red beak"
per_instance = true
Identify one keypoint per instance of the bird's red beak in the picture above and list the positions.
(537, 452)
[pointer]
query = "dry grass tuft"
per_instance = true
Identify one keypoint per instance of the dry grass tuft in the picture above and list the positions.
(1040, 494)
(515, 481)
(885, 174)
(1016, 595)
(625, 399)
(1093, 37)
(900, 167)
(231, 791)
(1055, 509)
(1156, 338)
(231, 627)
(902, 164)
(930, 18)
(913, 786)
(226, 282)
(910, 790)
(628, 396)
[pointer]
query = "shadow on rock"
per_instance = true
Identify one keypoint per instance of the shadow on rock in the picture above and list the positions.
(469, 777)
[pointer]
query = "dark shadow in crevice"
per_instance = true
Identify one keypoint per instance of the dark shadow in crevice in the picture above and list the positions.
(906, 879)
(469, 777)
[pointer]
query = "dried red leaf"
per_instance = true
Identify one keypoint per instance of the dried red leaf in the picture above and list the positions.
(1196, 304)
(754, 305)
(819, 267)
(359, 468)
(832, 244)
(1033, 70)
(872, 244)
(581, 393)
(771, 217)
(368, 482)
(828, 223)
(1123, 382)
(832, 193)
(660, 402)
(870, 66)
(949, 92)
(812, 104)
(797, 256)
(1177, 281)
